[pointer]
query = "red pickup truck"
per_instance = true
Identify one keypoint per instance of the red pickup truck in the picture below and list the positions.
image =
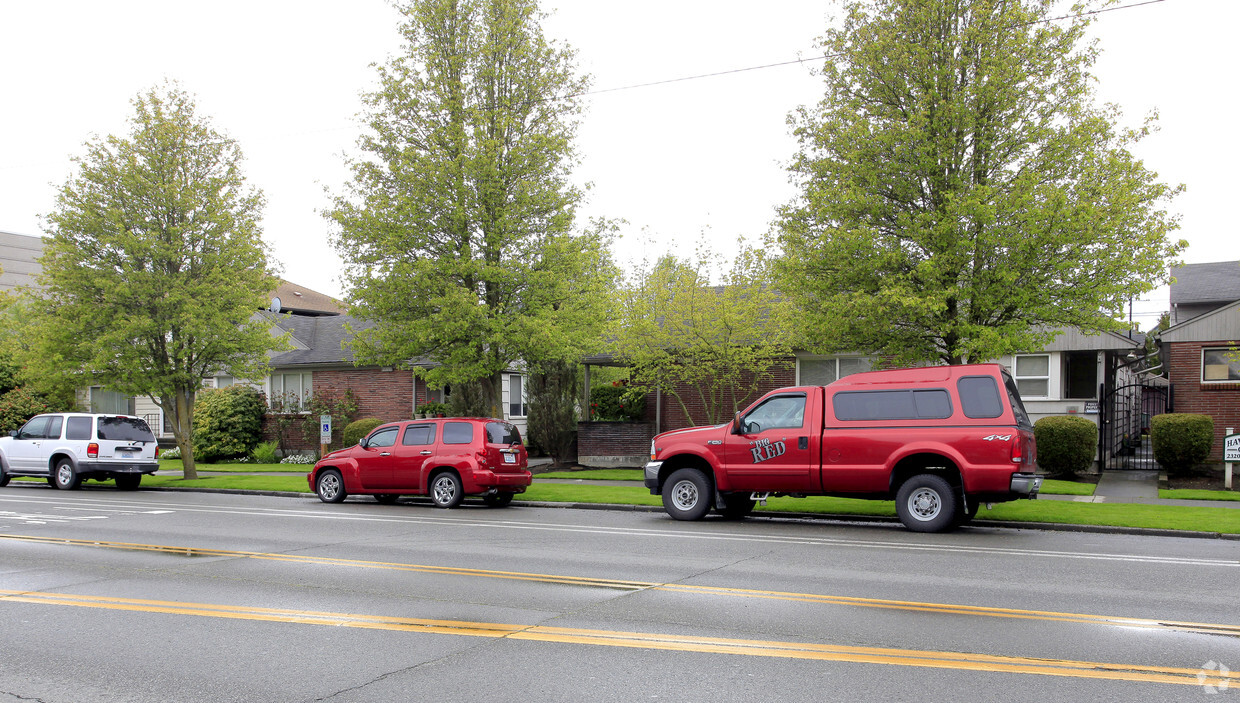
(939, 440)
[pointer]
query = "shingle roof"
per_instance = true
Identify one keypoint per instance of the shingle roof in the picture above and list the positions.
(320, 340)
(297, 298)
(1195, 284)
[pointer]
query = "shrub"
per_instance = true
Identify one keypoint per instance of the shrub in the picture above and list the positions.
(228, 422)
(552, 420)
(1066, 445)
(617, 402)
(341, 406)
(1181, 440)
(265, 453)
(19, 405)
(357, 429)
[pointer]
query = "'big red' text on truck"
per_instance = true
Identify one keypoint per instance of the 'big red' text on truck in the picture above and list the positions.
(939, 440)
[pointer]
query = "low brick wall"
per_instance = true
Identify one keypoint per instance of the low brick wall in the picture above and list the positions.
(613, 443)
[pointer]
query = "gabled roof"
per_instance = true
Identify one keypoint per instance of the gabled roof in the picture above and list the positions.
(1221, 323)
(317, 339)
(1197, 284)
(300, 300)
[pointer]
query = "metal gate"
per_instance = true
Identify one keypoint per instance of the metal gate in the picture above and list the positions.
(1124, 420)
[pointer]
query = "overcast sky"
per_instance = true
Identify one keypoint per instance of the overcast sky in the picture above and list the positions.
(283, 78)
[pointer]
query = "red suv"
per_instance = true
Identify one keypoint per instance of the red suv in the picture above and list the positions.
(445, 458)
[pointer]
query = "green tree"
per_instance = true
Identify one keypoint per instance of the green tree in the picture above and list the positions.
(154, 267)
(963, 195)
(457, 226)
(687, 337)
(552, 420)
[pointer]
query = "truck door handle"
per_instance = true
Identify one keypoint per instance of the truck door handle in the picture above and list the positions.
(385, 453)
(802, 442)
(426, 452)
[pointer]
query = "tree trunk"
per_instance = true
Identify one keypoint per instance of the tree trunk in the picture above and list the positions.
(181, 409)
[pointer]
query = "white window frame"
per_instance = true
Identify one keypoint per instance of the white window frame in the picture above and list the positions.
(521, 387)
(304, 378)
(1225, 351)
(1047, 378)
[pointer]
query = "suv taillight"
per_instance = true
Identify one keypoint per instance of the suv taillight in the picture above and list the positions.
(156, 451)
(92, 450)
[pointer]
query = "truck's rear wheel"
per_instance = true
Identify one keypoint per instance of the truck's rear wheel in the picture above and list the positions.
(687, 494)
(736, 506)
(927, 503)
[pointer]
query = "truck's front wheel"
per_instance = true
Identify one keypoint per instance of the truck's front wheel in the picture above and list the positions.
(686, 494)
(927, 503)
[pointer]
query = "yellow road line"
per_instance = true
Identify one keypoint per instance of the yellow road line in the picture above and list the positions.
(912, 606)
(642, 640)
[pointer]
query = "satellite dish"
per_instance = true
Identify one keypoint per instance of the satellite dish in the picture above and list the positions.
(275, 305)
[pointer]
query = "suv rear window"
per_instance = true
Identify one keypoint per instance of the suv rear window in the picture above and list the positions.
(125, 429)
(502, 433)
(458, 432)
(78, 427)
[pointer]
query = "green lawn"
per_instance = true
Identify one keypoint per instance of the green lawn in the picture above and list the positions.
(1191, 494)
(176, 465)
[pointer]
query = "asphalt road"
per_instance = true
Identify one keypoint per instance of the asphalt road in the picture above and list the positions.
(161, 596)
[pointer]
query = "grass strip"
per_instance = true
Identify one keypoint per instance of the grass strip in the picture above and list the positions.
(176, 465)
(1196, 494)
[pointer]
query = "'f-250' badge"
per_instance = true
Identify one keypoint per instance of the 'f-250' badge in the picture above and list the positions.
(764, 449)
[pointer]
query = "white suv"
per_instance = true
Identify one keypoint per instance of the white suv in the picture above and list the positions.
(68, 448)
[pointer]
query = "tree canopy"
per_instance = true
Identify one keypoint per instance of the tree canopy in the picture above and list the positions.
(154, 265)
(962, 193)
(458, 224)
(705, 345)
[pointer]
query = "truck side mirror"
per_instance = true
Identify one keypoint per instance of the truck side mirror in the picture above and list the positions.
(736, 423)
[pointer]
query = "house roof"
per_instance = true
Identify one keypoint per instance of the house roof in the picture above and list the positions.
(300, 300)
(1221, 323)
(1196, 284)
(316, 339)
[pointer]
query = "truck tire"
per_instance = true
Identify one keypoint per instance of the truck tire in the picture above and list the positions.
(736, 506)
(927, 503)
(687, 494)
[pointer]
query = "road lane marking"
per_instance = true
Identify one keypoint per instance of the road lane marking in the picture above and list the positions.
(966, 661)
(463, 521)
(629, 585)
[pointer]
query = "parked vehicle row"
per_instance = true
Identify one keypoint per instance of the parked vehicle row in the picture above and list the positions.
(938, 440)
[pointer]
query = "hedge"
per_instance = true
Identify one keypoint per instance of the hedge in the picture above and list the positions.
(354, 431)
(1066, 445)
(1181, 440)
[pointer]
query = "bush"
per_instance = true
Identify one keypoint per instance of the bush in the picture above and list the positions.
(354, 431)
(617, 403)
(228, 422)
(1181, 440)
(1066, 445)
(552, 420)
(265, 453)
(19, 405)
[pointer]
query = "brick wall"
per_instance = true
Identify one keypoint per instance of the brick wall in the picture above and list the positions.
(387, 395)
(600, 443)
(1218, 400)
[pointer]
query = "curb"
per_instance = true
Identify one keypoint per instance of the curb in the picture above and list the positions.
(877, 519)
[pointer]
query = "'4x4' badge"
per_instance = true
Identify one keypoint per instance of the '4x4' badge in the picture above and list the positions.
(993, 437)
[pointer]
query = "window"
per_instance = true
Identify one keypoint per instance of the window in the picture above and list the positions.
(292, 389)
(502, 433)
(34, 429)
(125, 429)
(79, 428)
(417, 435)
(1220, 365)
(1033, 375)
(103, 401)
(933, 404)
(780, 412)
(458, 432)
(516, 396)
(385, 437)
(820, 372)
(53, 427)
(1080, 372)
(438, 395)
(979, 397)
